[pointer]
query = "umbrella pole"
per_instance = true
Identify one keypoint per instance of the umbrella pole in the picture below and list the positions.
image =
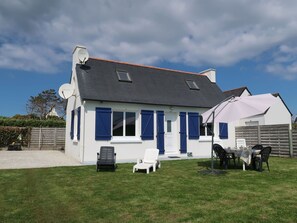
(212, 171)
(212, 140)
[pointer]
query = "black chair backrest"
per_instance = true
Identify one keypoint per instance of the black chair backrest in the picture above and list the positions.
(220, 152)
(107, 153)
(257, 147)
(265, 152)
(215, 149)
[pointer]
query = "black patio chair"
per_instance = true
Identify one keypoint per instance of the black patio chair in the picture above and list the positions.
(106, 159)
(223, 155)
(263, 157)
(255, 147)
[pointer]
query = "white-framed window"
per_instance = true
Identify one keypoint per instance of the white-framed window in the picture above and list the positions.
(206, 130)
(123, 123)
(75, 124)
(169, 126)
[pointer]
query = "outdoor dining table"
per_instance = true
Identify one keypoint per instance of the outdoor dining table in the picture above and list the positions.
(243, 153)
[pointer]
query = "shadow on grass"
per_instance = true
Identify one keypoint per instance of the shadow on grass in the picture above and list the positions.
(205, 166)
(107, 169)
(151, 170)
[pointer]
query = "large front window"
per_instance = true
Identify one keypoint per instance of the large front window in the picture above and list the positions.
(123, 123)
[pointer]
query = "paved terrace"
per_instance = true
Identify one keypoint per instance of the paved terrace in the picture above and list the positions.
(53, 158)
(35, 159)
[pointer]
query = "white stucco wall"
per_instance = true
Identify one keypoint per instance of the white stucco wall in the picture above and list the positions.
(245, 93)
(73, 146)
(278, 114)
(128, 149)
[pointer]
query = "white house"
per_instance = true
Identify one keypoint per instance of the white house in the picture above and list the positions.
(238, 92)
(135, 107)
(278, 113)
(52, 112)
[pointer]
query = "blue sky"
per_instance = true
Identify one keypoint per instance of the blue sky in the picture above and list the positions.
(253, 45)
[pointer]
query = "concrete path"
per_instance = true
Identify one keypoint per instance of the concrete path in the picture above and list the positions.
(35, 159)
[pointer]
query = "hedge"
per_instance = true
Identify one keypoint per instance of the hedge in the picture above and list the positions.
(9, 135)
(32, 122)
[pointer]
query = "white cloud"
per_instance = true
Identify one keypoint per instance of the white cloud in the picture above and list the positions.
(213, 33)
(30, 58)
(284, 62)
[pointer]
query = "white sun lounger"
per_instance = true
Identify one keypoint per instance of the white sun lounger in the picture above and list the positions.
(150, 160)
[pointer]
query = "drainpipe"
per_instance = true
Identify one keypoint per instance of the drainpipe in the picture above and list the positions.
(84, 133)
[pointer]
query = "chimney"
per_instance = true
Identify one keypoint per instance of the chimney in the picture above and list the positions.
(79, 56)
(210, 73)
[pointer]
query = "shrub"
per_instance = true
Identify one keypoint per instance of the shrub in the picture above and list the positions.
(30, 116)
(32, 122)
(9, 135)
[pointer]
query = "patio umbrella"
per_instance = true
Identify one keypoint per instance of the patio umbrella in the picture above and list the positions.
(235, 108)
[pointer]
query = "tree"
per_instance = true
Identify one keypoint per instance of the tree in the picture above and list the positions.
(44, 102)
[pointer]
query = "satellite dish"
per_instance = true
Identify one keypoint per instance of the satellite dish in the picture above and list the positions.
(83, 55)
(66, 91)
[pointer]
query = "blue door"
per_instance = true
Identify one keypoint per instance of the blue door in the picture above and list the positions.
(183, 132)
(160, 131)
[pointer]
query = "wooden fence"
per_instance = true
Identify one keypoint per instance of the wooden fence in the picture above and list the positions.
(294, 142)
(282, 140)
(47, 138)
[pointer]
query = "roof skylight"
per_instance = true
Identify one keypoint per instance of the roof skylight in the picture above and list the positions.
(192, 85)
(123, 76)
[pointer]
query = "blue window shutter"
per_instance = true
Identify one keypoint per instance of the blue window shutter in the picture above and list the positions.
(72, 125)
(160, 132)
(103, 124)
(147, 125)
(78, 123)
(223, 130)
(183, 132)
(193, 124)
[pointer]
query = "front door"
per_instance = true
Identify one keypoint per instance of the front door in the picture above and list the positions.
(170, 134)
(183, 132)
(160, 131)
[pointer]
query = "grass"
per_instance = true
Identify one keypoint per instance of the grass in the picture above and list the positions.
(177, 192)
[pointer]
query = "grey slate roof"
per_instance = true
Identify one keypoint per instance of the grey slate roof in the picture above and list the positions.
(98, 81)
(236, 92)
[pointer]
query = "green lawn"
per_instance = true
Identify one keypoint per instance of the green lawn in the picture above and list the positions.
(177, 192)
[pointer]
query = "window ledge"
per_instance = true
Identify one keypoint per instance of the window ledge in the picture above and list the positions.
(117, 140)
(208, 139)
(205, 139)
